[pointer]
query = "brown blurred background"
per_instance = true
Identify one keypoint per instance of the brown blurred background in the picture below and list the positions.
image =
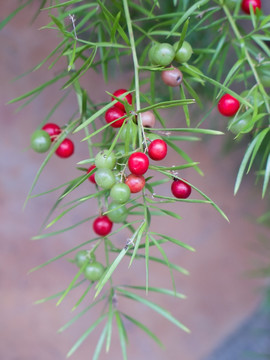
(220, 294)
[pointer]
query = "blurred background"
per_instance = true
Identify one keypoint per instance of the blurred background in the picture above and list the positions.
(221, 294)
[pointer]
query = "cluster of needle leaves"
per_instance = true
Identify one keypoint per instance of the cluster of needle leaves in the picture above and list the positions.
(102, 34)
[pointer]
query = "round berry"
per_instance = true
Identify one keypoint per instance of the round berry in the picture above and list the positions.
(148, 119)
(82, 258)
(113, 114)
(180, 189)
(52, 129)
(105, 178)
(117, 213)
(163, 54)
(135, 183)
(120, 193)
(102, 225)
(129, 130)
(228, 105)
(65, 149)
(184, 53)
(128, 97)
(172, 77)
(157, 150)
(40, 141)
(254, 4)
(138, 163)
(94, 271)
(105, 160)
(92, 176)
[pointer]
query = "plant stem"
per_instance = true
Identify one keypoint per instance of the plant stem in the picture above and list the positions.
(142, 138)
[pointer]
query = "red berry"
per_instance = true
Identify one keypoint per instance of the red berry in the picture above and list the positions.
(65, 149)
(102, 225)
(52, 129)
(138, 163)
(228, 105)
(92, 176)
(128, 97)
(254, 3)
(157, 150)
(135, 183)
(113, 114)
(180, 189)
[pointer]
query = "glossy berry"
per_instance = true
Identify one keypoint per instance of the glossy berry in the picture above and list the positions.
(254, 3)
(180, 189)
(40, 141)
(148, 119)
(163, 54)
(117, 213)
(113, 114)
(157, 150)
(105, 160)
(92, 176)
(129, 130)
(94, 271)
(184, 53)
(82, 258)
(120, 193)
(65, 149)
(138, 163)
(172, 77)
(102, 225)
(52, 129)
(135, 183)
(128, 97)
(105, 178)
(228, 105)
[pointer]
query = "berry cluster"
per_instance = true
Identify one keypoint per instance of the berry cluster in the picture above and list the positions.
(86, 261)
(41, 141)
(164, 54)
(109, 175)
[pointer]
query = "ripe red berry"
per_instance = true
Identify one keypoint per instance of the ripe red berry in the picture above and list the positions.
(228, 105)
(92, 176)
(254, 3)
(53, 130)
(65, 149)
(113, 114)
(157, 150)
(128, 97)
(172, 77)
(102, 225)
(180, 189)
(138, 163)
(135, 183)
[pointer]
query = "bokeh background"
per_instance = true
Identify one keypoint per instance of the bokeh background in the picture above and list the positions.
(220, 292)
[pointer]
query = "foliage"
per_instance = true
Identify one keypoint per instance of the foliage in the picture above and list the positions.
(229, 52)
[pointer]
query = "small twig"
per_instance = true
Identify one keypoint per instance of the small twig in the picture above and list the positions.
(73, 19)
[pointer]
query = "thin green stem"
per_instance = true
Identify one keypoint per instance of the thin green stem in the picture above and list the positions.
(142, 138)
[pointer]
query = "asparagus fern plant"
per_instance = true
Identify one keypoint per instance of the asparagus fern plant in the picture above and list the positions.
(182, 54)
